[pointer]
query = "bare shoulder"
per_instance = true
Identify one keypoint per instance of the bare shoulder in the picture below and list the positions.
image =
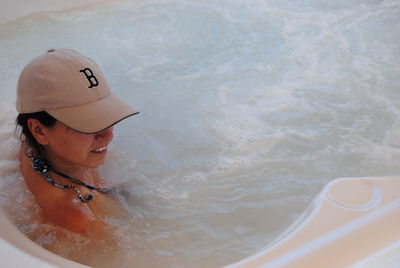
(58, 206)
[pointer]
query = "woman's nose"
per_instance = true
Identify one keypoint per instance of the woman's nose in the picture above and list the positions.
(106, 134)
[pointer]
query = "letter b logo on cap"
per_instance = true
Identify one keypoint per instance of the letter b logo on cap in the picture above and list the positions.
(90, 77)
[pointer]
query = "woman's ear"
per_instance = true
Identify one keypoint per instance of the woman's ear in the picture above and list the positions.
(39, 131)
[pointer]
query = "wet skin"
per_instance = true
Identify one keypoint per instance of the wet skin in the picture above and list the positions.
(78, 155)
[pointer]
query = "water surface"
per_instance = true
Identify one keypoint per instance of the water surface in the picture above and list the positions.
(247, 109)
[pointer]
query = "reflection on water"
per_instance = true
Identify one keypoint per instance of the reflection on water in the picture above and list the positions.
(247, 109)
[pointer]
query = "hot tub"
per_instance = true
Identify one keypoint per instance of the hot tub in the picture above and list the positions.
(353, 222)
(247, 112)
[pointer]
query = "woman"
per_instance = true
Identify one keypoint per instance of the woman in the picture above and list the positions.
(66, 115)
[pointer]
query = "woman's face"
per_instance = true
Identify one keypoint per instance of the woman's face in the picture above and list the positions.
(66, 146)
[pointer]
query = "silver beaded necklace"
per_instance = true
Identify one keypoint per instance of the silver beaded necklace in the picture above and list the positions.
(43, 166)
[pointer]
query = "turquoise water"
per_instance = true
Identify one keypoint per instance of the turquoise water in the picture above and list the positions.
(247, 109)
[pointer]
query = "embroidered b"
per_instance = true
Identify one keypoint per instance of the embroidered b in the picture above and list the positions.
(90, 77)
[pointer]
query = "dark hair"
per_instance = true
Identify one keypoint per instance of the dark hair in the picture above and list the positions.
(37, 150)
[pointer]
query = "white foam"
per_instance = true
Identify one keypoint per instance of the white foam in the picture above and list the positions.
(245, 106)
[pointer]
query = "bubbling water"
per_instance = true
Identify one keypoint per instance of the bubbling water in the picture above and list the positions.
(247, 109)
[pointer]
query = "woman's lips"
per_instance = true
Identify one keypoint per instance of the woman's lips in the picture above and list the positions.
(100, 150)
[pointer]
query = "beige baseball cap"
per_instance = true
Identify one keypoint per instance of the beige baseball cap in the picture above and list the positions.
(71, 88)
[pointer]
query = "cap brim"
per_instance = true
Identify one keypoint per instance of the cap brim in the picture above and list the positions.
(95, 116)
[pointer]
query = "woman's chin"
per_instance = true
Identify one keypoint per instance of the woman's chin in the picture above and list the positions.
(97, 161)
